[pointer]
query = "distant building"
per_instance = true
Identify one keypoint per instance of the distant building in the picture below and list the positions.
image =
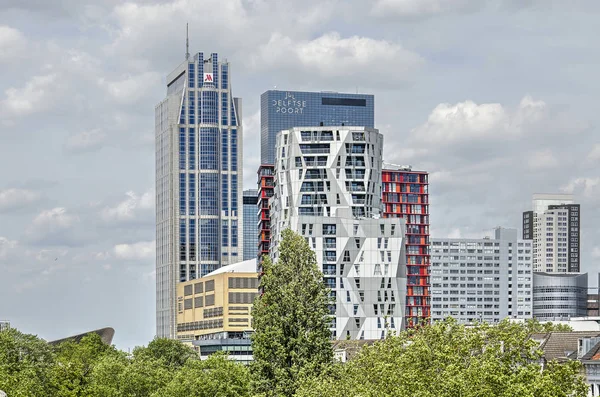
(4, 325)
(592, 305)
(266, 189)
(250, 200)
(405, 195)
(214, 311)
(486, 279)
(583, 346)
(559, 296)
(281, 110)
(106, 335)
(554, 227)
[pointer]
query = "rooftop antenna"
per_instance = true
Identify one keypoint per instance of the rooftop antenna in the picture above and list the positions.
(187, 42)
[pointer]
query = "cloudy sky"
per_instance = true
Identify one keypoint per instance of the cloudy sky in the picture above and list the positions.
(497, 99)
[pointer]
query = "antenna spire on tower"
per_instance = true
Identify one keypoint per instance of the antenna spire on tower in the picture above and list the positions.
(187, 42)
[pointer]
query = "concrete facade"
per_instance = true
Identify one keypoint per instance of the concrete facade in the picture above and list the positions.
(481, 279)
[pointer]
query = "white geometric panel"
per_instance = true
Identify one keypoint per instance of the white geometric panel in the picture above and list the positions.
(328, 189)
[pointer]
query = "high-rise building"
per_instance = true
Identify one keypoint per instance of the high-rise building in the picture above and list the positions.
(559, 297)
(281, 110)
(250, 223)
(481, 279)
(214, 311)
(328, 189)
(406, 195)
(554, 227)
(266, 189)
(198, 179)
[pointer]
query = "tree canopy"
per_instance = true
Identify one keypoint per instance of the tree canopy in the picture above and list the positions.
(448, 359)
(291, 319)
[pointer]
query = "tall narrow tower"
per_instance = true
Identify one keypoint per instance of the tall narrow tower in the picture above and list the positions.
(198, 179)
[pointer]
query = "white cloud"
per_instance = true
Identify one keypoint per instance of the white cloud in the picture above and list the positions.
(542, 159)
(136, 251)
(130, 208)
(85, 141)
(594, 154)
(586, 186)
(31, 98)
(12, 43)
(13, 198)
(331, 56)
(132, 88)
(421, 8)
(6, 245)
(52, 223)
(468, 121)
(55, 218)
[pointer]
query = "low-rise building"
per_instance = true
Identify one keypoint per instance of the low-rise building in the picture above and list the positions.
(559, 296)
(214, 311)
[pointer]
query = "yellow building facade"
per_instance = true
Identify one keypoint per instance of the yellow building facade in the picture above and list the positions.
(214, 312)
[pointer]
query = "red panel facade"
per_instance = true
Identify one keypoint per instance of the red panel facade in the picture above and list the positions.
(266, 182)
(406, 195)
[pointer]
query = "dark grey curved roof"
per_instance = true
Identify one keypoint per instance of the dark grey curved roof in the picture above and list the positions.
(106, 334)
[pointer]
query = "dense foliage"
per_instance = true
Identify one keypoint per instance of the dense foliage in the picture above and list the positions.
(29, 367)
(448, 359)
(291, 320)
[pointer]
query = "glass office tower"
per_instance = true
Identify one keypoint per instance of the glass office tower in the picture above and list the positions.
(250, 224)
(198, 179)
(281, 110)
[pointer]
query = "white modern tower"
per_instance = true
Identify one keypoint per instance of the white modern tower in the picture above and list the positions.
(198, 179)
(554, 227)
(328, 189)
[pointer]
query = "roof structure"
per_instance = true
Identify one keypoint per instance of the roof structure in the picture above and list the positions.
(248, 266)
(564, 345)
(106, 334)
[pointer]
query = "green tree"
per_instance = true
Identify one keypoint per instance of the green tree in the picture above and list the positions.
(149, 369)
(291, 320)
(25, 364)
(172, 352)
(216, 376)
(446, 360)
(72, 370)
(119, 376)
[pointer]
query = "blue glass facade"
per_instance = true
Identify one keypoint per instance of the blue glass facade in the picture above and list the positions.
(207, 149)
(281, 110)
(250, 224)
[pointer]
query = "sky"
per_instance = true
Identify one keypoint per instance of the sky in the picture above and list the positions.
(497, 99)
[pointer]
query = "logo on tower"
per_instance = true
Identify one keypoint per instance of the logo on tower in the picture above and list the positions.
(208, 77)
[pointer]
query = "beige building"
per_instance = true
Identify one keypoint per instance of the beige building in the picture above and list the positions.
(214, 311)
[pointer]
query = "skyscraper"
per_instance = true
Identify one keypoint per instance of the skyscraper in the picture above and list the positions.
(281, 110)
(406, 195)
(554, 227)
(198, 179)
(328, 189)
(250, 224)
